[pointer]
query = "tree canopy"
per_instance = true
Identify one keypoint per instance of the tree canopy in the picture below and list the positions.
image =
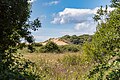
(14, 26)
(105, 45)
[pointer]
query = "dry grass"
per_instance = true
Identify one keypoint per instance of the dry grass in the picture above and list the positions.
(35, 57)
(52, 66)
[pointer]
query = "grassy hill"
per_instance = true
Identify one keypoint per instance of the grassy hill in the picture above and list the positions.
(67, 40)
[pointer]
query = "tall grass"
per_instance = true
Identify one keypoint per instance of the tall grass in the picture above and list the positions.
(67, 66)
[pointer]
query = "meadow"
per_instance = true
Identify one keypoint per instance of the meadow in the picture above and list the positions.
(62, 66)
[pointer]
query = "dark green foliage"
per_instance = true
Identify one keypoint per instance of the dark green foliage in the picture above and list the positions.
(115, 3)
(50, 47)
(69, 48)
(54, 48)
(14, 26)
(14, 23)
(79, 40)
(38, 44)
(19, 69)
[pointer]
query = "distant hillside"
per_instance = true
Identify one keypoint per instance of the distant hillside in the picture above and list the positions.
(58, 41)
(66, 40)
(79, 40)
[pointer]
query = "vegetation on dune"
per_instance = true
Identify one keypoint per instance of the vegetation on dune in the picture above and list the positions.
(50, 47)
(78, 40)
(74, 44)
(70, 48)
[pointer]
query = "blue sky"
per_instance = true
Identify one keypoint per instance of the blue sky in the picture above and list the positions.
(65, 17)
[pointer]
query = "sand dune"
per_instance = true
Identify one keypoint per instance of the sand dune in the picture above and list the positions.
(57, 41)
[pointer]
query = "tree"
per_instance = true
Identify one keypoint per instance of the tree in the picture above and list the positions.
(105, 46)
(14, 26)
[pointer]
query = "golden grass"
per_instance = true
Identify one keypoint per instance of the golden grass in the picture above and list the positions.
(50, 66)
(34, 57)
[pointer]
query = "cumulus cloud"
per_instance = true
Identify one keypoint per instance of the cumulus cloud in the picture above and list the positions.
(51, 3)
(72, 15)
(88, 27)
(82, 18)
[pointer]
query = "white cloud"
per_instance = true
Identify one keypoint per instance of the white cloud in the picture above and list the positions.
(86, 27)
(31, 1)
(51, 3)
(82, 18)
(72, 15)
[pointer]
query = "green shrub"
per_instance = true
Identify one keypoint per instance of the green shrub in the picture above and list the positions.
(50, 47)
(105, 46)
(38, 44)
(69, 48)
(20, 69)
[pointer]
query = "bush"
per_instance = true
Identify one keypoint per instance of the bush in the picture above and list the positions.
(105, 46)
(20, 69)
(50, 47)
(38, 44)
(69, 48)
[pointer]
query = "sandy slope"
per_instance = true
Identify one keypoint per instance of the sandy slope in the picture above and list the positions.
(57, 41)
